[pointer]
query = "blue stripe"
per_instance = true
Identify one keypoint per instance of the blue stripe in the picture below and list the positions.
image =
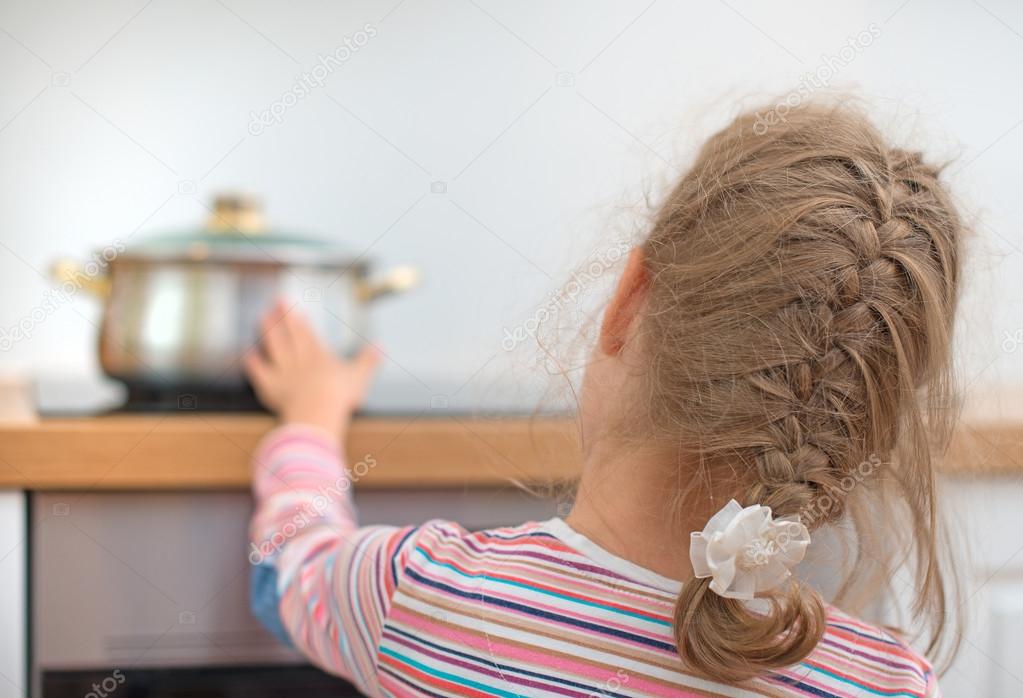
(868, 689)
(407, 681)
(527, 534)
(504, 668)
(877, 638)
(565, 597)
(796, 683)
(394, 569)
(448, 676)
(529, 610)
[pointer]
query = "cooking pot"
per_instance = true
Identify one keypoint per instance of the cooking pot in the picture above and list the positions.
(181, 309)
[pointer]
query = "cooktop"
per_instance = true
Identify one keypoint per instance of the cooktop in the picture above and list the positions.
(77, 396)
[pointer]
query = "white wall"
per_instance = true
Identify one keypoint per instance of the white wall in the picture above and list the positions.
(109, 110)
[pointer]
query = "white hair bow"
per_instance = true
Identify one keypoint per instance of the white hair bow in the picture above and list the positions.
(746, 550)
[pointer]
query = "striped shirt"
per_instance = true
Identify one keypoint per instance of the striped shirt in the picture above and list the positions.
(530, 610)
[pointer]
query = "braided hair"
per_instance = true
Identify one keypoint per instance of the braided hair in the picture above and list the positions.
(803, 280)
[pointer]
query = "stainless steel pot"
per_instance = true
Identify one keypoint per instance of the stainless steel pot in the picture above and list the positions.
(182, 309)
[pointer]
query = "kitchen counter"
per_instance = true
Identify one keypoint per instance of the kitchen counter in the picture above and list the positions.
(214, 451)
(197, 450)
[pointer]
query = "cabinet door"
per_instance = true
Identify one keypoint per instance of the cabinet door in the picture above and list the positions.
(13, 576)
(1005, 636)
(987, 519)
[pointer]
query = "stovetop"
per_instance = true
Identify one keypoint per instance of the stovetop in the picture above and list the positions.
(78, 396)
(57, 397)
(198, 398)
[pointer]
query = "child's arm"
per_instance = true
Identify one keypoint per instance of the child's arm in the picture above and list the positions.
(332, 581)
(319, 581)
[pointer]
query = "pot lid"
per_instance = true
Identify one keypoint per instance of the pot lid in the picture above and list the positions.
(235, 232)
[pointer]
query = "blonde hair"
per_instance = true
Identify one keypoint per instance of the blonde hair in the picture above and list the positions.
(802, 285)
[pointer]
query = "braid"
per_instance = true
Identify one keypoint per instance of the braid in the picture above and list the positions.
(832, 417)
(803, 283)
(821, 438)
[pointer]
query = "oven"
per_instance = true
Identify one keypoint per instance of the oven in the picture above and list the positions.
(146, 594)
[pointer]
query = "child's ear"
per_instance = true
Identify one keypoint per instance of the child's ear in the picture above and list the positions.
(625, 305)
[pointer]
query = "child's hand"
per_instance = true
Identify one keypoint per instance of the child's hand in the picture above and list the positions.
(299, 378)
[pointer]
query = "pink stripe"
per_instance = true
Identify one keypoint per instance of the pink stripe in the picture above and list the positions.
(499, 593)
(340, 581)
(846, 666)
(538, 657)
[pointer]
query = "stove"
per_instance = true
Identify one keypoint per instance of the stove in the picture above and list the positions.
(78, 396)
(146, 593)
(201, 398)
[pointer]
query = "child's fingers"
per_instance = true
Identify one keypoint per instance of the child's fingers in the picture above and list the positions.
(303, 337)
(365, 367)
(275, 312)
(277, 339)
(258, 371)
(273, 338)
(368, 359)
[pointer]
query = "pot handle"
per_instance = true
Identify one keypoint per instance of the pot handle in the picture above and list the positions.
(71, 272)
(397, 280)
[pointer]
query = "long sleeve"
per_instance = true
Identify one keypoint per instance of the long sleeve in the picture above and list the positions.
(535, 609)
(334, 580)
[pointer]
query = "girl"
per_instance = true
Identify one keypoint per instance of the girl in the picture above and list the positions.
(774, 361)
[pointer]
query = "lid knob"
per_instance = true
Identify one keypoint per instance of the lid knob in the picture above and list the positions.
(236, 214)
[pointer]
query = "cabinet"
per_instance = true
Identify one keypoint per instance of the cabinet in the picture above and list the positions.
(986, 516)
(13, 600)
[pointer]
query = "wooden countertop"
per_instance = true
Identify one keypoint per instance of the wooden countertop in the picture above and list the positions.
(214, 450)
